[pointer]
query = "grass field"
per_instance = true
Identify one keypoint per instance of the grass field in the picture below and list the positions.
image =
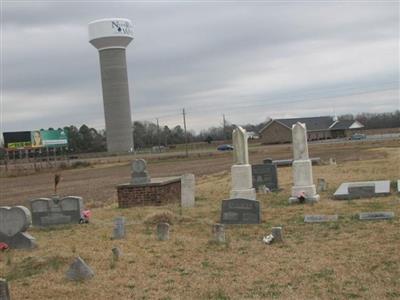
(348, 259)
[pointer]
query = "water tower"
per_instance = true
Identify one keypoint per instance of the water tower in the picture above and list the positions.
(111, 37)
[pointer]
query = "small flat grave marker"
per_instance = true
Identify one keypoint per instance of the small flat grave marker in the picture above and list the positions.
(364, 189)
(378, 215)
(240, 211)
(320, 218)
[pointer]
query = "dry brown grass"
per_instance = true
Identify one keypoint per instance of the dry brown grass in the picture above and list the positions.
(347, 259)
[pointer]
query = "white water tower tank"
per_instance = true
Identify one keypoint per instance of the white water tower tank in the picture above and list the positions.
(111, 37)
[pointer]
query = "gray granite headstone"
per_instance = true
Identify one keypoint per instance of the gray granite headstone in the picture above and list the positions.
(277, 234)
(139, 172)
(119, 228)
(56, 211)
(265, 174)
(320, 218)
(163, 231)
(14, 221)
(378, 215)
(218, 231)
(4, 291)
(240, 211)
(364, 189)
(79, 270)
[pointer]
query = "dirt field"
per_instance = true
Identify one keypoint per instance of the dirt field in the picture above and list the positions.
(348, 259)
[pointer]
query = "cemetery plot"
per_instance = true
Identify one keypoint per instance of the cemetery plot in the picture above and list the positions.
(365, 189)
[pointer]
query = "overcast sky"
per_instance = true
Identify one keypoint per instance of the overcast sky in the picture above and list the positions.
(248, 60)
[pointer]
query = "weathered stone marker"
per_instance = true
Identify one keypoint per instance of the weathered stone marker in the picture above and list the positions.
(79, 270)
(320, 218)
(265, 174)
(4, 291)
(240, 211)
(139, 172)
(188, 185)
(303, 189)
(56, 211)
(119, 228)
(218, 231)
(363, 189)
(322, 185)
(379, 215)
(163, 231)
(117, 253)
(14, 221)
(277, 234)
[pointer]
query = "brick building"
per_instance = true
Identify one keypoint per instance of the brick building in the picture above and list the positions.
(279, 131)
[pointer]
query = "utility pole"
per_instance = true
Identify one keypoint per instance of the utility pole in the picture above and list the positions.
(158, 136)
(224, 127)
(184, 126)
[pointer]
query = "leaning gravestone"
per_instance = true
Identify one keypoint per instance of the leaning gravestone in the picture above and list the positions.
(79, 270)
(320, 218)
(188, 185)
(139, 172)
(14, 221)
(379, 215)
(56, 211)
(364, 189)
(240, 211)
(265, 174)
(4, 291)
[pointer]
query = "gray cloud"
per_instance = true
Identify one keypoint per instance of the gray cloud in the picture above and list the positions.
(247, 60)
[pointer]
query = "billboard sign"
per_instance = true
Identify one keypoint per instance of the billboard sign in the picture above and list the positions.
(35, 139)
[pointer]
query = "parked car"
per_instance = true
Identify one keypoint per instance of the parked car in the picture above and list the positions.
(225, 147)
(358, 136)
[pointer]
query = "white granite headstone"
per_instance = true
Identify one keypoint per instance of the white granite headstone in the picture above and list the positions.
(242, 185)
(188, 185)
(303, 189)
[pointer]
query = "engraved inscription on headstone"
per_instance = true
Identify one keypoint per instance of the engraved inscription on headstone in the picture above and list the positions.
(240, 211)
(378, 215)
(357, 190)
(265, 174)
(320, 218)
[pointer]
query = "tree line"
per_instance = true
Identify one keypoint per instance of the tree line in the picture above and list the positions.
(147, 134)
